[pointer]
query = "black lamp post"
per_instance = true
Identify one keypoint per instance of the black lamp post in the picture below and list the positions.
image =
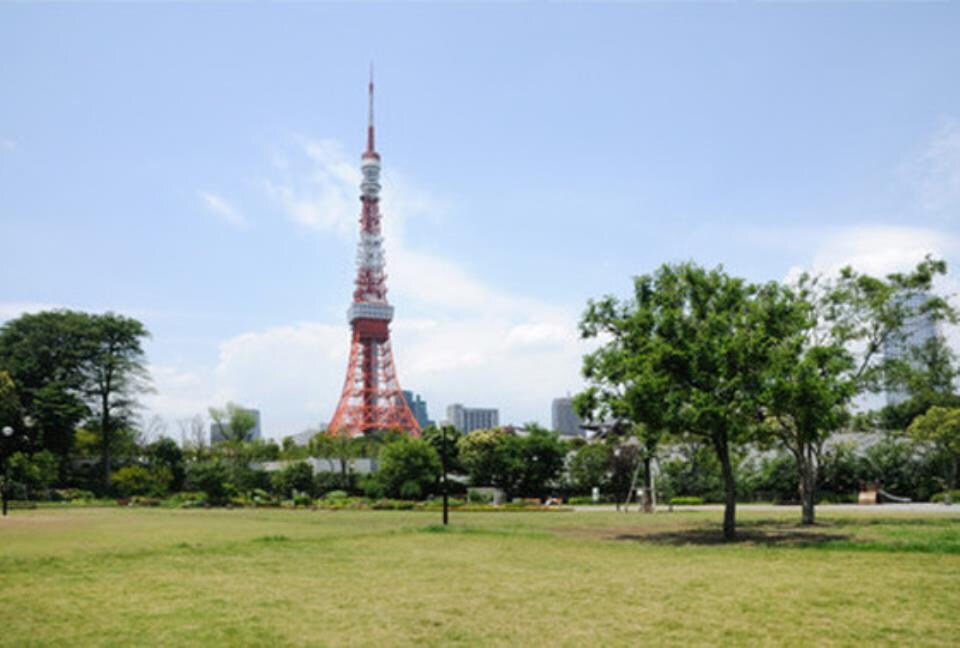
(7, 433)
(443, 463)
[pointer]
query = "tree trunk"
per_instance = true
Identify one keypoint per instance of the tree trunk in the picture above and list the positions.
(647, 501)
(633, 487)
(105, 440)
(807, 466)
(952, 463)
(730, 491)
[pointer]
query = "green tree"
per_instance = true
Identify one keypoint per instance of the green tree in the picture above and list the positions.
(689, 353)
(540, 455)
(233, 424)
(44, 354)
(941, 427)
(165, 453)
(114, 372)
(29, 473)
(11, 414)
(837, 330)
(340, 446)
(490, 459)
(435, 436)
(590, 467)
(409, 468)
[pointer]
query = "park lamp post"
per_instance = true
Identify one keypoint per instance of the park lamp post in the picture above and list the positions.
(443, 465)
(7, 433)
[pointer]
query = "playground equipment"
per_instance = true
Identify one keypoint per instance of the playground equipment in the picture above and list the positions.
(870, 493)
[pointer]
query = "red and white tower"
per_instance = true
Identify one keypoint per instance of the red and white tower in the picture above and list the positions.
(371, 398)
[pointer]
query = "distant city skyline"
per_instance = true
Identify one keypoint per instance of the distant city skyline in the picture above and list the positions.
(196, 167)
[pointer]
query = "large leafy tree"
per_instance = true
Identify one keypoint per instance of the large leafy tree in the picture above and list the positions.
(941, 426)
(833, 349)
(688, 353)
(45, 353)
(69, 366)
(114, 374)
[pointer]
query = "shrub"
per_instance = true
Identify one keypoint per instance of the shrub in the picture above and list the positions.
(408, 468)
(940, 498)
(688, 500)
(260, 497)
(294, 477)
(475, 496)
(144, 501)
(336, 495)
(372, 488)
(243, 479)
(71, 494)
(326, 481)
(137, 480)
(582, 500)
(211, 479)
(302, 499)
(186, 500)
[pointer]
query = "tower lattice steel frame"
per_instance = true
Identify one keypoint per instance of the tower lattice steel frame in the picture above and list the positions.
(371, 399)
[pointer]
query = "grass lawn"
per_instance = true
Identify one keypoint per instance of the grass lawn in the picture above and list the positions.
(113, 576)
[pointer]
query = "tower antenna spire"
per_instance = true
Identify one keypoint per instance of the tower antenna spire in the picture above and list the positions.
(370, 138)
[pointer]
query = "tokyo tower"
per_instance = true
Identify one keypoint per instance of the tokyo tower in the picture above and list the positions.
(372, 399)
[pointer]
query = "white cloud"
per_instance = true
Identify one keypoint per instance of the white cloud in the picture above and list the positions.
(294, 373)
(223, 209)
(935, 172)
(456, 339)
(879, 249)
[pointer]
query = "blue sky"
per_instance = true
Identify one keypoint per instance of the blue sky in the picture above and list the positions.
(195, 165)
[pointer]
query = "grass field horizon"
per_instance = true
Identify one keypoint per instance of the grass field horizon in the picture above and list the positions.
(110, 576)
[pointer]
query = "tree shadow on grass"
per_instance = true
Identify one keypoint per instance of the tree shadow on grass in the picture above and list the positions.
(770, 537)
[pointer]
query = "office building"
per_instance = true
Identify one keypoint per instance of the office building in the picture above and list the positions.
(419, 408)
(467, 419)
(563, 418)
(917, 331)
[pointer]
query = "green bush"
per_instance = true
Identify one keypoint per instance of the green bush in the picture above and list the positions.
(297, 476)
(302, 499)
(581, 500)
(138, 480)
(475, 496)
(393, 505)
(408, 468)
(940, 498)
(337, 495)
(210, 478)
(689, 500)
(71, 494)
(185, 500)
(326, 481)
(144, 501)
(372, 488)
(260, 497)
